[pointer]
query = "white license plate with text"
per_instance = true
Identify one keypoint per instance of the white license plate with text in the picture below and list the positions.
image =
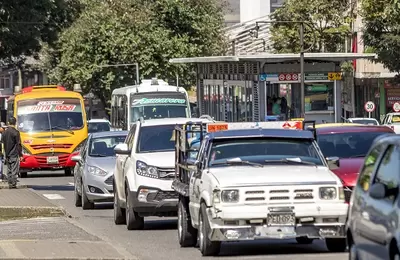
(283, 219)
(52, 160)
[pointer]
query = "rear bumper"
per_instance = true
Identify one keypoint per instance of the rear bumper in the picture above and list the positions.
(39, 162)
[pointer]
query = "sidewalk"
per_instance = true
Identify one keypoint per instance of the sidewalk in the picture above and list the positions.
(32, 227)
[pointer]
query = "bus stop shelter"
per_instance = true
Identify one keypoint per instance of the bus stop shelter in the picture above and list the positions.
(237, 88)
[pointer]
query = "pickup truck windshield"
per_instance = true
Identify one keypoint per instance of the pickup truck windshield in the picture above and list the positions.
(264, 151)
(347, 145)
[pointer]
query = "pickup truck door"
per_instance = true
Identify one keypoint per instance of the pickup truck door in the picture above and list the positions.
(195, 184)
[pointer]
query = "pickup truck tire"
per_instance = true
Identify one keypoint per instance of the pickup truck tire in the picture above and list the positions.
(304, 240)
(187, 234)
(133, 220)
(206, 246)
(336, 244)
(119, 213)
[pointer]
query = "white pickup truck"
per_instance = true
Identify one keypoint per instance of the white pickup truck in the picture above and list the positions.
(255, 183)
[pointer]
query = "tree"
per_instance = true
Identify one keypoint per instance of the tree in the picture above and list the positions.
(24, 24)
(328, 23)
(128, 31)
(381, 25)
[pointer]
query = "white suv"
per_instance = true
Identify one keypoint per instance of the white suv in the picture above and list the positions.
(144, 171)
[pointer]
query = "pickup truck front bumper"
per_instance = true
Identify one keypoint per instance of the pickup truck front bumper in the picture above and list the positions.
(313, 221)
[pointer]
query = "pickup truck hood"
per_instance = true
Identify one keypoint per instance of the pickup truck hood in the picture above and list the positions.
(162, 160)
(273, 175)
(348, 170)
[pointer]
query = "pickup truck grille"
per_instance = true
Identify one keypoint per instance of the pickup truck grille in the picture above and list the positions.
(279, 195)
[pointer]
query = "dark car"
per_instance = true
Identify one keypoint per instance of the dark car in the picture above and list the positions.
(374, 212)
(349, 142)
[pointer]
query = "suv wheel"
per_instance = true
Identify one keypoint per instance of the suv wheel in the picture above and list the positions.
(119, 213)
(133, 220)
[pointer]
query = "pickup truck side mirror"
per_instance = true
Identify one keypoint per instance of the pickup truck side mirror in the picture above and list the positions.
(378, 191)
(333, 162)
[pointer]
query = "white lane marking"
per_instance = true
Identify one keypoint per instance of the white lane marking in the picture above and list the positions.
(54, 196)
(71, 184)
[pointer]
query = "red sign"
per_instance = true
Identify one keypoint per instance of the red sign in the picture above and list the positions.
(396, 107)
(64, 108)
(288, 77)
(282, 77)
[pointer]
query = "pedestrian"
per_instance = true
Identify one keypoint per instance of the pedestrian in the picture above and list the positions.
(276, 108)
(13, 152)
(2, 129)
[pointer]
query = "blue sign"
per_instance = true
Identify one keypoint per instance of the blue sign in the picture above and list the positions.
(263, 77)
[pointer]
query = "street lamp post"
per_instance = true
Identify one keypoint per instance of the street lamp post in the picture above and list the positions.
(302, 51)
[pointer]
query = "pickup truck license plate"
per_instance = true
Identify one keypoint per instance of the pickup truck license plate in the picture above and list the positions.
(284, 219)
(52, 160)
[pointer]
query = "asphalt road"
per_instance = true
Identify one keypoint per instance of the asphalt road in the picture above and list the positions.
(159, 239)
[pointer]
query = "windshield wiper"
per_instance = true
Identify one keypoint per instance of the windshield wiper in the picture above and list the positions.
(357, 156)
(98, 155)
(237, 161)
(291, 160)
(62, 129)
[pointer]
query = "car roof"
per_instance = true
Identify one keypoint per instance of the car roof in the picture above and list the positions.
(352, 128)
(98, 121)
(336, 125)
(361, 118)
(173, 121)
(108, 133)
(273, 133)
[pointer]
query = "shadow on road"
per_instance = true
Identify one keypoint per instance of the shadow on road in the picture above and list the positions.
(160, 224)
(51, 187)
(34, 175)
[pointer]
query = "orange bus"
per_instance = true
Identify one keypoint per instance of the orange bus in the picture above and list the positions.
(53, 126)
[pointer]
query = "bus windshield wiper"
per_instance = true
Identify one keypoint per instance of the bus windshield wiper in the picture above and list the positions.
(234, 161)
(291, 160)
(62, 129)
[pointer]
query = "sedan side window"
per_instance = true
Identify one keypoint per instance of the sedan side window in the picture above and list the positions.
(388, 169)
(368, 168)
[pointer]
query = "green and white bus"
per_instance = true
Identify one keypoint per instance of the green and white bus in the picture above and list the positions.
(152, 99)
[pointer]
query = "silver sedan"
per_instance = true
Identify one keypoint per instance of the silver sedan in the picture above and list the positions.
(94, 169)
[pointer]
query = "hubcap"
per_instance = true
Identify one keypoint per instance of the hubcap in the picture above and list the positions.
(180, 222)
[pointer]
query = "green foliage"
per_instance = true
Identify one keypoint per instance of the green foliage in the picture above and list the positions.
(381, 20)
(129, 31)
(328, 23)
(24, 24)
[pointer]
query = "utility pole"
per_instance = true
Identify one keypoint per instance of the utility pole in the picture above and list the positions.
(302, 76)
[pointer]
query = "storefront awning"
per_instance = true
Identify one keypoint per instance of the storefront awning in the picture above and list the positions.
(279, 58)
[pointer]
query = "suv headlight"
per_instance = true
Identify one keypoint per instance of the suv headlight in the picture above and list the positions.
(78, 147)
(146, 170)
(96, 171)
(230, 196)
(327, 193)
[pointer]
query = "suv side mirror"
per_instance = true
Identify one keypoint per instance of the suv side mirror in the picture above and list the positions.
(378, 191)
(122, 149)
(333, 162)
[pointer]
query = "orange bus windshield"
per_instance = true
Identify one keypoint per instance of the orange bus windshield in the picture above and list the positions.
(49, 114)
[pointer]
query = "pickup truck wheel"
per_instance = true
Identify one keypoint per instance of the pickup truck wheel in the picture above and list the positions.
(187, 234)
(86, 204)
(304, 240)
(133, 220)
(207, 247)
(336, 244)
(119, 213)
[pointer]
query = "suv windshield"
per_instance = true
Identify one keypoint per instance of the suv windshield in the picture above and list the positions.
(104, 146)
(160, 138)
(347, 145)
(264, 151)
(43, 115)
(94, 127)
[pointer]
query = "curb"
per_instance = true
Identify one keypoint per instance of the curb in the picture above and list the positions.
(18, 212)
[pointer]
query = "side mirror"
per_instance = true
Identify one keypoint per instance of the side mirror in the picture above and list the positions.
(378, 191)
(333, 162)
(122, 149)
(76, 158)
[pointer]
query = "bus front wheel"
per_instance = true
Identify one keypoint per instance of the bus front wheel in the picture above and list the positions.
(68, 171)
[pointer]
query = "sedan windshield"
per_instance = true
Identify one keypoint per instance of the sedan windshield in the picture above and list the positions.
(160, 138)
(347, 145)
(43, 115)
(264, 151)
(104, 146)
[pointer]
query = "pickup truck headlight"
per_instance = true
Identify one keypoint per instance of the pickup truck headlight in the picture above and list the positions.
(96, 171)
(230, 196)
(146, 170)
(327, 193)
